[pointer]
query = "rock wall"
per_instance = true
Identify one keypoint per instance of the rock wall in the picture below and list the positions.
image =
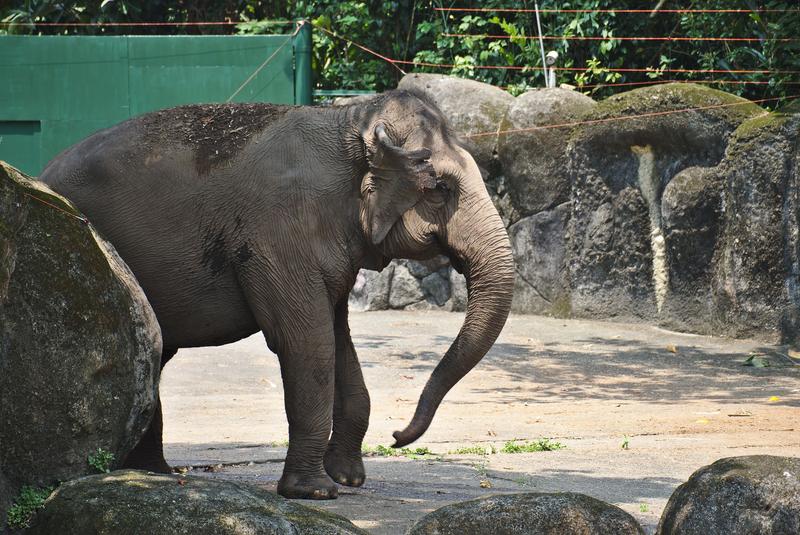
(629, 208)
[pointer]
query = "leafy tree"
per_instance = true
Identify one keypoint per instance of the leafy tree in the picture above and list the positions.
(412, 30)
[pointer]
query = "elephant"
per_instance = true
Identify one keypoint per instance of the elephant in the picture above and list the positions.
(239, 218)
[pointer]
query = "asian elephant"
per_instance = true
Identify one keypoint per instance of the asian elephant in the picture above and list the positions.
(238, 218)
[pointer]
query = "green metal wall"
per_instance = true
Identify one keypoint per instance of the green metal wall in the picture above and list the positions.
(56, 90)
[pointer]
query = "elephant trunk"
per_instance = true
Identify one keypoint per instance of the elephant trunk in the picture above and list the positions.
(479, 242)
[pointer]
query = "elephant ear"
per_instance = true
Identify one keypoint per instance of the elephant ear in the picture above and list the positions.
(395, 182)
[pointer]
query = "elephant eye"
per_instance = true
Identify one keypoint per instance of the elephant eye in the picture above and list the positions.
(440, 193)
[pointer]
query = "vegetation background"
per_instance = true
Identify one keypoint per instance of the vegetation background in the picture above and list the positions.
(413, 30)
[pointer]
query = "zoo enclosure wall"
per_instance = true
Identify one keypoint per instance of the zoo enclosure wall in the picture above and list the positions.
(56, 90)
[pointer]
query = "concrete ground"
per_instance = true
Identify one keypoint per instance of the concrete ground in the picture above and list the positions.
(676, 401)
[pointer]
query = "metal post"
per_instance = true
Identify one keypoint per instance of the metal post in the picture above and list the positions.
(302, 63)
(541, 45)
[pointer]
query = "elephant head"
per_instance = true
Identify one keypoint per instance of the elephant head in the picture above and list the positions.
(422, 194)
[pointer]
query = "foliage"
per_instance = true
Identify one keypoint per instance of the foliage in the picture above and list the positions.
(29, 500)
(384, 451)
(412, 31)
(101, 460)
(475, 450)
(543, 444)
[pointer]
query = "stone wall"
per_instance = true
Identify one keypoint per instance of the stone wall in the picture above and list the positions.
(643, 212)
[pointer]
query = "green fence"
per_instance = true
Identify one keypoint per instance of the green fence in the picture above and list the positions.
(56, 90)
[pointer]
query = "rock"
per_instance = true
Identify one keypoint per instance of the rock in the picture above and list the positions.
(619, 169)
(471, 107)
(690, 209)
(535, 162)
(437, 288)
(737, 496)
(541, 513)
(423, 268)
(80, 347)
(406, 288)
(756, 286)
(6, 498)
(131, 502)
(458, 292)
(371, 290)
(539, 248)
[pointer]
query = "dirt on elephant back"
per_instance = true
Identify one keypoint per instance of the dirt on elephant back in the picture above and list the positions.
(217, 131)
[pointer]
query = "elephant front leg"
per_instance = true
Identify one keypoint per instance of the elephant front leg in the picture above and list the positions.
(296, 316)
(308, 383)
(350, 410)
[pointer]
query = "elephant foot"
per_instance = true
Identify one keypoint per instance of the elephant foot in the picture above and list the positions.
(309, 487)
(345, 469)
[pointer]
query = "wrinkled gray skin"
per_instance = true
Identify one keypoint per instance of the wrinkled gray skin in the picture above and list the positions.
(239, 218)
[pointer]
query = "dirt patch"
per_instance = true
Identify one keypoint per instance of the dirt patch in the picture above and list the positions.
(216, 131)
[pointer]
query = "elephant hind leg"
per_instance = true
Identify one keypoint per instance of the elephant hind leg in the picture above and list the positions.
(149, 452)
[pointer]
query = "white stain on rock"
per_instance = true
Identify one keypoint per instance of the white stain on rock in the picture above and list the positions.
(649, 185)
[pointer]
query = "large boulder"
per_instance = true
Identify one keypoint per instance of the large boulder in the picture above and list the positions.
(517, 514)
(539, 249)
(406, 288)
(131, 502)
(533, 154)
(691, 213)
(80, 347)
(756, 286)
(737, 496)
(471, 107)
(630, 147)
(371, 289)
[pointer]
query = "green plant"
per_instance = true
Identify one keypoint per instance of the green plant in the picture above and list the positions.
(101, 460)
(643, 508)
(29, 500)
(625, 442)
(384, 451)
(474, 450)
(543, 444)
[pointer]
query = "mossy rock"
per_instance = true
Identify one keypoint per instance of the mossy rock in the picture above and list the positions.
(621, 159)
(517, 514)
(737, 496)
(80, 347)
(132, 502)
(758, 247)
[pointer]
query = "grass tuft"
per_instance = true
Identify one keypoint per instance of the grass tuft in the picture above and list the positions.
(544, 444)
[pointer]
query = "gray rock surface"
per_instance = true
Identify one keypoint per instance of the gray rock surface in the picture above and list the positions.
(756, 287)
(6, 498)
(539, 249)
(371, 290)
(517, 514)
(436, 288)
(619, 169)
(80, 347)
(691, 213)
(471, 107)
(458, 291)
(132, 502)
(750, 495)
(406, 288)
(535, 162)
